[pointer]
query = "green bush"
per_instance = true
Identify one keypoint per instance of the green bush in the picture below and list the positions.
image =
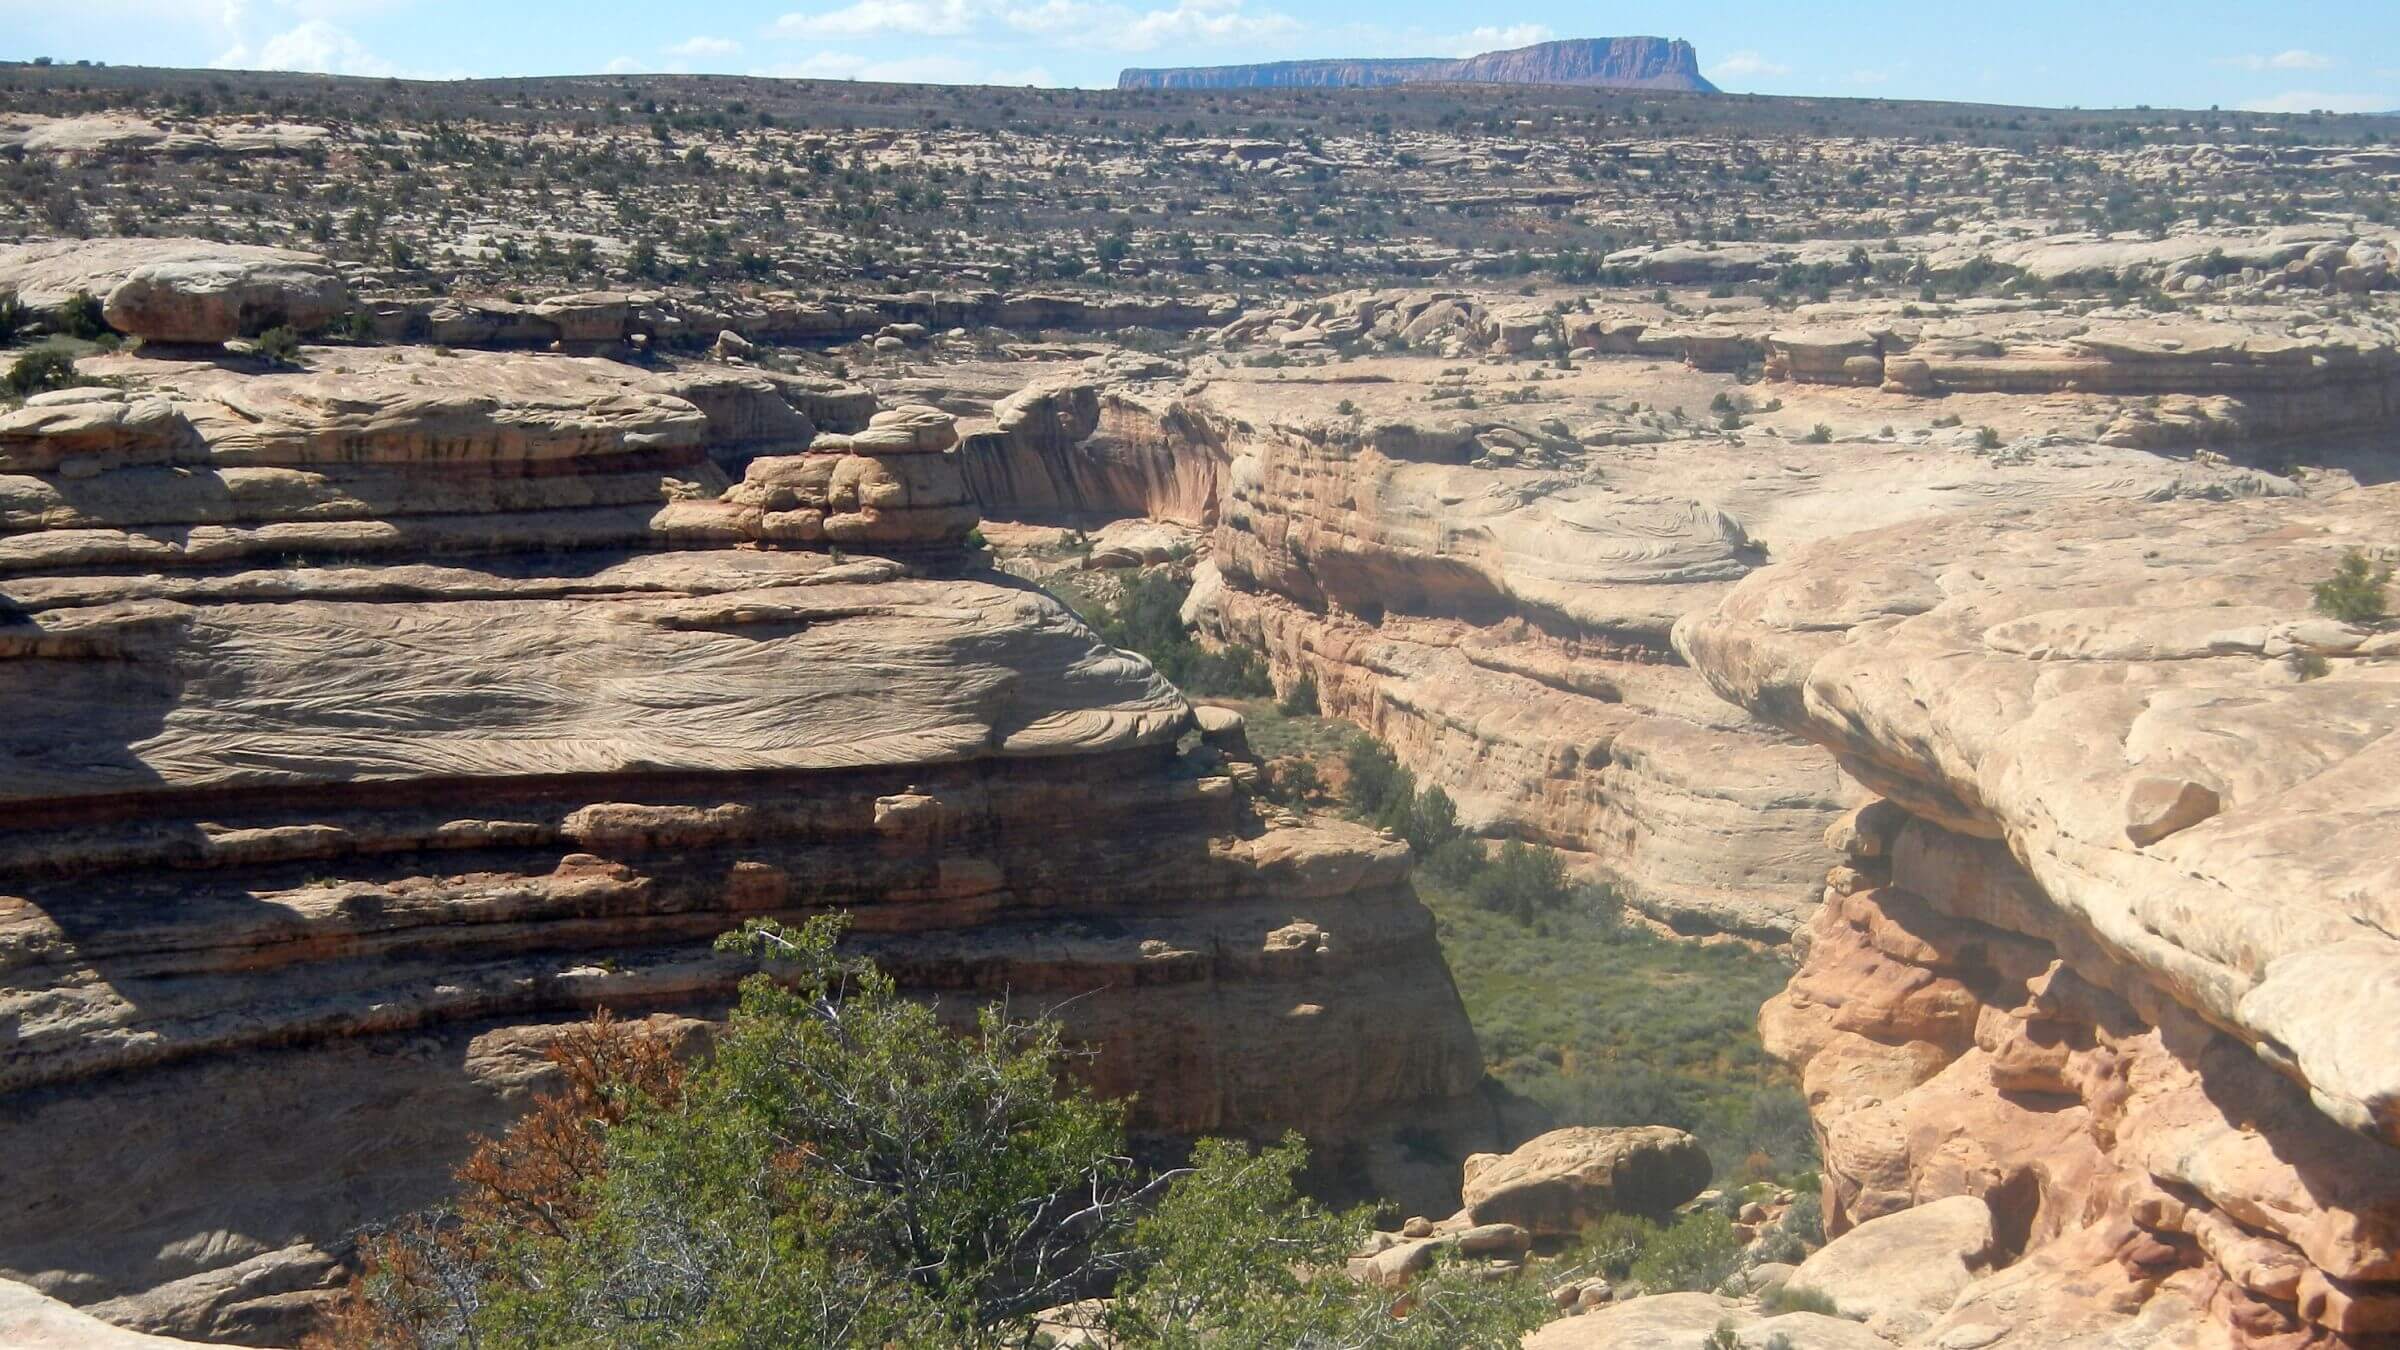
(279, 345)
(843, 1170)
(12, 319)
(40, 370)
(80, 317)
(1375, 779)
(1790, 1298)
(1986, 438)
(1291, 781)
(1613, 1243)
(1696, 1255)
(1301, 699)
(1147, 619)
(1522, 881)
(2354, 593)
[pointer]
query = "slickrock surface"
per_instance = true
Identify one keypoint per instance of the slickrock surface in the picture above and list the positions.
(1679, 1320)
(1490, 590)
(30, 1321)
(367, 721)
(2117, 953)
(178, 290)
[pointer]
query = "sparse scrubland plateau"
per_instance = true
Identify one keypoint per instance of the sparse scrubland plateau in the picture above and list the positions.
(1365, 703)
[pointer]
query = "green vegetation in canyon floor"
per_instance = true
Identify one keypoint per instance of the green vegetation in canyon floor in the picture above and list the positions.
(1599, 1020)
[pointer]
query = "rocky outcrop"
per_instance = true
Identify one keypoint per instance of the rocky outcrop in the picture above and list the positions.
(1614, 63)
(1901, 1272)
(1679, 1320)
(1491, 594)
(2114, 952)
(1074, 452)
(1557, 1183)
(684, 319)
(367, 721)
(31, 1321)
(178, 290)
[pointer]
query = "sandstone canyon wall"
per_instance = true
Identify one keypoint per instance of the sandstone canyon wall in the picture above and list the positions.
(2116, 952)
(367, 721)
(1490, 590)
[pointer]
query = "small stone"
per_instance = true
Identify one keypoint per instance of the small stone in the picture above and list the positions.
(2158, 807)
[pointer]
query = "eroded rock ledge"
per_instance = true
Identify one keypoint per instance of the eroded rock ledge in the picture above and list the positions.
(367, 721)
(2119, 951)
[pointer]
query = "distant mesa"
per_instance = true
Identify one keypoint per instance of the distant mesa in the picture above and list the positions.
(1612, 63)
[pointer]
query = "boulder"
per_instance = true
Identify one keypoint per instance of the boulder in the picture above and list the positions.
(1686, 1321)
(31, 1320)
(229, 291)
(1556, 1183)
(1900, 1273)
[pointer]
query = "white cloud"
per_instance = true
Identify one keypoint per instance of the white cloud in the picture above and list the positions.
(1200, 21)
(1746, 65)
(2294, 59)
(316, 46)
(2309, 100)
(1076, 23)
(704, 46)
(934, 68)
(882, 18)
(622, 65)
(1476, 41)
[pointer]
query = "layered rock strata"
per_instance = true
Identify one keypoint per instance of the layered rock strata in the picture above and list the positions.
(367, 721)
(199, 290)
(2117, 951)
(1611, 63)
(1491, 594)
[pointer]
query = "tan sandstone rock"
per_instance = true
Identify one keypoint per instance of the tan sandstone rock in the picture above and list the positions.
(1558, 1182)
(2112, 974)
(1900, 1273)
(368, 722)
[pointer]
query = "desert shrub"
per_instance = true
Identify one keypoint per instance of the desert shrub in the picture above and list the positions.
(40, 370)
(1522, 881)
(12, 319)
(1147, 618)
(1790, 1298)
(1696, 1255)
(1986, 438)
(1614, 1242)
(1429, 821)
(1375, 778)
(1800, 1231)
(1291, 781)
(279, 345)
(1215, 1277)
(80, 317)
(1819, 434)
(2354, 593)
(845, 1171)
(1454, 860)
(1301, 699)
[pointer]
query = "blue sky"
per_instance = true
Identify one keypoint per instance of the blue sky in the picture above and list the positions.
(2342, 55)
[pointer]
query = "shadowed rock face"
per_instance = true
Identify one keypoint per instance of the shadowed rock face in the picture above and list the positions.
(367, 722)
(2116, 953)
(1615, 63)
